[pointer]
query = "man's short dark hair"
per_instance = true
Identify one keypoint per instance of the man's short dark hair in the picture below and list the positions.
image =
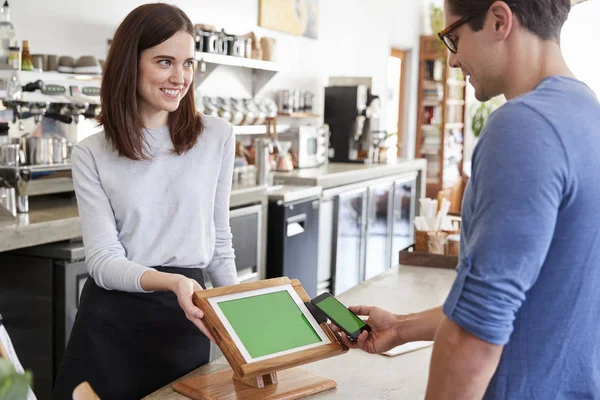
(544, 18)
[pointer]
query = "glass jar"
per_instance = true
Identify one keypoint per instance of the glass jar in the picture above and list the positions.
(14, 57)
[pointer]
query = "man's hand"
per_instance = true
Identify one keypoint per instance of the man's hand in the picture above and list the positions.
(384, 333)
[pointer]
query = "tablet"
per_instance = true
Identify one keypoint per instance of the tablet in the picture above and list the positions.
(268, 322)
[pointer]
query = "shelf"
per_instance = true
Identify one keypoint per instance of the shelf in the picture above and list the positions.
(220, 59)
(256, 129)
(455, 125)
(262, 71)
(300, 115)
(456, 82)
(453, 102)
(432, 103)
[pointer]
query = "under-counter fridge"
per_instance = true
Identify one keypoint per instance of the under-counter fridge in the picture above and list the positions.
(40, 289)
(293, 235)
(362, 229)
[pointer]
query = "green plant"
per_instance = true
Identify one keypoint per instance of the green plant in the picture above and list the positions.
(13, 386)
(480, 116)
(436, 16)
(482, 111)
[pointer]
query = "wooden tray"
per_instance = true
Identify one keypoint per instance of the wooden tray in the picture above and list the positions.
(420, 259)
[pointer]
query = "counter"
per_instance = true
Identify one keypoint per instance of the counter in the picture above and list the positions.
(55, 218)
(338, 174)
(359, 375)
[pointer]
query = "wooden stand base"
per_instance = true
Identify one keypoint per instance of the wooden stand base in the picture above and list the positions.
(289, 384)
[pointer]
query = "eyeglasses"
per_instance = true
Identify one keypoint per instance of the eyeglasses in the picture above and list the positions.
(448, 39)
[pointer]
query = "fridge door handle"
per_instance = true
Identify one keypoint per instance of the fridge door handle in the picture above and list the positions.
(295, 225)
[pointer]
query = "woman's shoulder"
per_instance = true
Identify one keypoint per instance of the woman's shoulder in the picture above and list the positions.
(95, 146)
(217, 128)
(94, 143)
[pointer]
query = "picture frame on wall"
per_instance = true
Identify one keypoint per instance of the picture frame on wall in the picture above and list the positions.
(296, 17)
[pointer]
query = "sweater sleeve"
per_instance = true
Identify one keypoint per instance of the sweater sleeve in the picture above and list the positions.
(221, 270)
(105, 256)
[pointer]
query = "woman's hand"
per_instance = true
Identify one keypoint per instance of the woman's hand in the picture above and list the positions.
(184, 289)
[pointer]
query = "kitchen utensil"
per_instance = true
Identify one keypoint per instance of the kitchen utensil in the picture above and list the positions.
(8, 200)
(260, 116)
(38, 150)
(37, 62)
(59, 150)
(248, 47)
(268, 47)
(284, 102)
(9, 140)
(52, 62)
(262, 160)
(284, 160)
(211, 42)
(222, 43)
(235, 117)
(248, 116)
(11, 155)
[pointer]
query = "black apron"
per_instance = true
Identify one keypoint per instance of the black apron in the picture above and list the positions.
(127, 345)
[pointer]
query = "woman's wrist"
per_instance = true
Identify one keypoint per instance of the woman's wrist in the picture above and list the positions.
(155, 281)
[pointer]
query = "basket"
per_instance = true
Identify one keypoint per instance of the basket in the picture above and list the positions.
(410, 256)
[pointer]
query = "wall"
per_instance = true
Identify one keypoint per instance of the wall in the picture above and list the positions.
(582, 61)
(355, 40)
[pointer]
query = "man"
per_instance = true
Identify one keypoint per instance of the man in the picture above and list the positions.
(521, 320)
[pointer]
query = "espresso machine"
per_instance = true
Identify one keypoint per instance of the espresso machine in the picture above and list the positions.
(348, 112)
(42, 117)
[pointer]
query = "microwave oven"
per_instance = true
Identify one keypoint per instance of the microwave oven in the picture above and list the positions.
(309, 145)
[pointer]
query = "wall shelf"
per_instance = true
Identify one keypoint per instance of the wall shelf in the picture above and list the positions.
(256, 129)
(220, 59)
(300, 115)
(262, 71)
(433, 142)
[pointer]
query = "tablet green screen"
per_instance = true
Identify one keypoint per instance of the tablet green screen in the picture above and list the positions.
(269, 323)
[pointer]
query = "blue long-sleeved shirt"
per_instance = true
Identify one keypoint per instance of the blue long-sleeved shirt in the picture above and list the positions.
(529, 267)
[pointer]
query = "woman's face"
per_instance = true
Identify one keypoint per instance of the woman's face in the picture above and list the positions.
(165, 74)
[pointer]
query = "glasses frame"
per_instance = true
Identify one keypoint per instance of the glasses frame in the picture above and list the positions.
(445, 37)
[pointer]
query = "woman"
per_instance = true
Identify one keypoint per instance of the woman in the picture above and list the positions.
(153, 196)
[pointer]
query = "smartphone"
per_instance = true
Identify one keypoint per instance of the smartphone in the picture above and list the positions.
(343, 318)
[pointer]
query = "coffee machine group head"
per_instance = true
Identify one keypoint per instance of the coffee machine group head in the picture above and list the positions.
(348, 115)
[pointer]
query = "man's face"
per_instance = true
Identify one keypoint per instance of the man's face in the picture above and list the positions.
(477, 56)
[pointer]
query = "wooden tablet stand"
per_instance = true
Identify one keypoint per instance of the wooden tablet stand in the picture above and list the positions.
(274, 378)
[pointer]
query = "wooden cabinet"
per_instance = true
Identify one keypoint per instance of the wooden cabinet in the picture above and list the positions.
(440, 121)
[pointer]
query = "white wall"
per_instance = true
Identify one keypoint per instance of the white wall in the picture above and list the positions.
(355, 37)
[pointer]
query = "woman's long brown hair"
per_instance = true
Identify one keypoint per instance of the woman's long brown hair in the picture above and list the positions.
(146, 26)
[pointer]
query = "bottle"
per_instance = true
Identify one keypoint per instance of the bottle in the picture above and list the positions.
(7, 33)
(26, 61)
(14, 57)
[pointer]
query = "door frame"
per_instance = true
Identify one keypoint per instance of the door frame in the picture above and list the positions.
(402, 55)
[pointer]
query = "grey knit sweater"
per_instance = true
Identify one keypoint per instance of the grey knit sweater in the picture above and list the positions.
(170, 211)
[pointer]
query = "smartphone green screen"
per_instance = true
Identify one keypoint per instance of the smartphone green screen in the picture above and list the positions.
(269, 323)
(337, 311)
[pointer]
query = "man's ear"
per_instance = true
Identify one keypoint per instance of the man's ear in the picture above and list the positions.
(500, 16)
